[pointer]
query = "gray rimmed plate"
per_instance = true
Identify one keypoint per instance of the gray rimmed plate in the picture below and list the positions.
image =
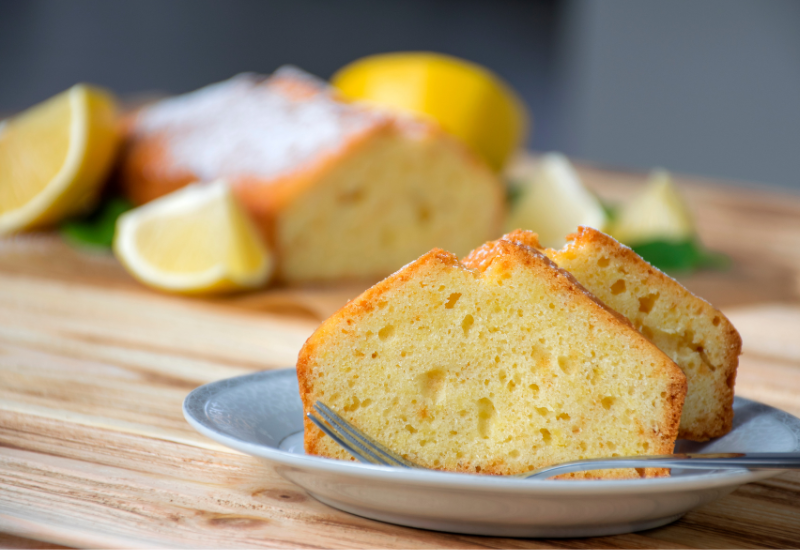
(261, 414)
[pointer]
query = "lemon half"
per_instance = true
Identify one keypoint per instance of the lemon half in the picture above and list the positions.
(467, 100)
(54, 158)
(197, 240)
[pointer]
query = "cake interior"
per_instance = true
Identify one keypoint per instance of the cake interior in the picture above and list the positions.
(491, 372)
(388, 201)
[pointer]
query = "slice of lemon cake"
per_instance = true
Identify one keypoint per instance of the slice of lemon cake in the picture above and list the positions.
(698, 337)
(498, 364)
(340, 190)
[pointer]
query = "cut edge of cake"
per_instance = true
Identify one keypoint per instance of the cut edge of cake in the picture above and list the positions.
(700, 422)
(511, 252)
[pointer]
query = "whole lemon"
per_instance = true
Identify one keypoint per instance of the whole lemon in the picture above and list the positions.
(467, 100)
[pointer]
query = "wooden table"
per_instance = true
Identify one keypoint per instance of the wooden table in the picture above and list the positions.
(94, 450)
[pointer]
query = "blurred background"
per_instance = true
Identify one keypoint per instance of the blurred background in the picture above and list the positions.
(709, 87)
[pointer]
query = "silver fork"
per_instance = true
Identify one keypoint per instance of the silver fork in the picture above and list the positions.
(367, 450)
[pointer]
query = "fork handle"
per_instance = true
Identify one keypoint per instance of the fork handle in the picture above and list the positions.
(698, 461)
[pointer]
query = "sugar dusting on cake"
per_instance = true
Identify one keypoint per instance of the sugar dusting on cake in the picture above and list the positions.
(249, 126)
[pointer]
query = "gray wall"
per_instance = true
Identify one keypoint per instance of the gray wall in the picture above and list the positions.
(709, 87)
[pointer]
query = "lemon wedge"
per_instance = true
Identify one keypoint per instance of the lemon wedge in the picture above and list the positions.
(197, 240)
(467, 100)
(554, 202)
(54, 158)
(657, 214)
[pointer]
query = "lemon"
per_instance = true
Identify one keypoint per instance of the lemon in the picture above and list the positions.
(197, 240)
(467, 100)
(554, 202)
(54, 158)
(657, 214)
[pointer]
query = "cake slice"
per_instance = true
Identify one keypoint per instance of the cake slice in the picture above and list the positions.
(340, 190)
(498, 364)
(698, 337)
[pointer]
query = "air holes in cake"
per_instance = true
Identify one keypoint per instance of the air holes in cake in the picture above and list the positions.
(563, 416)
(411, 429)
(355, 402)
(467, 323)
(512, 384)
(374, 354)
(485, 417)
(513, 454)
(386, 332)
(551, 305)
(611, 445)
(358, 353)
(564, 364)
(608, 402)
(403, 353)
(646, 446)
(534, 388)
(582, 446)
(542, 411)
(646, 304)
(546, 435)
(618, 287)
(477, 469)
(452, 299)
(432, 385)
(603, 262)
(716, 321)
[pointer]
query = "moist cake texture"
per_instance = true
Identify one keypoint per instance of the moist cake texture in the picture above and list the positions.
(498, 364)
(698, 337)
(340, 190)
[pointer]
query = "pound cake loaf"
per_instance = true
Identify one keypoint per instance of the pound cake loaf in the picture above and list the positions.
(498, 364)
(698, 337)
(340, 190)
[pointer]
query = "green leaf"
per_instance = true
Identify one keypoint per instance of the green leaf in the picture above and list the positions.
(683, 256)
(611, 210)
(97, 229)
(514, 191)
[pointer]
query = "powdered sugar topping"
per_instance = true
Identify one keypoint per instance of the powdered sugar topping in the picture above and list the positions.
(247, 126)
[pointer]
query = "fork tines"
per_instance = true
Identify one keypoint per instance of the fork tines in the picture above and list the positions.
(353, 440)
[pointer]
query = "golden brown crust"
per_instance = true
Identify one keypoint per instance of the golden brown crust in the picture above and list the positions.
(147, 171)
(356, 307)
(521, 245)
(715, 426)
(500, 255)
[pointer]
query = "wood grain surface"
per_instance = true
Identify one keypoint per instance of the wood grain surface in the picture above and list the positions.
(94, 450)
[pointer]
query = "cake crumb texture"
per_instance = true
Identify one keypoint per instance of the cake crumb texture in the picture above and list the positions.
(340, 191)
(698, 337)
(497, 365)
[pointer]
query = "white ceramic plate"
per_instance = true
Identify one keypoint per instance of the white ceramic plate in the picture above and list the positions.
(261, 415)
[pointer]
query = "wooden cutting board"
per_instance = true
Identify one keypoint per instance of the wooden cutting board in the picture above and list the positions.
(94, 450)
